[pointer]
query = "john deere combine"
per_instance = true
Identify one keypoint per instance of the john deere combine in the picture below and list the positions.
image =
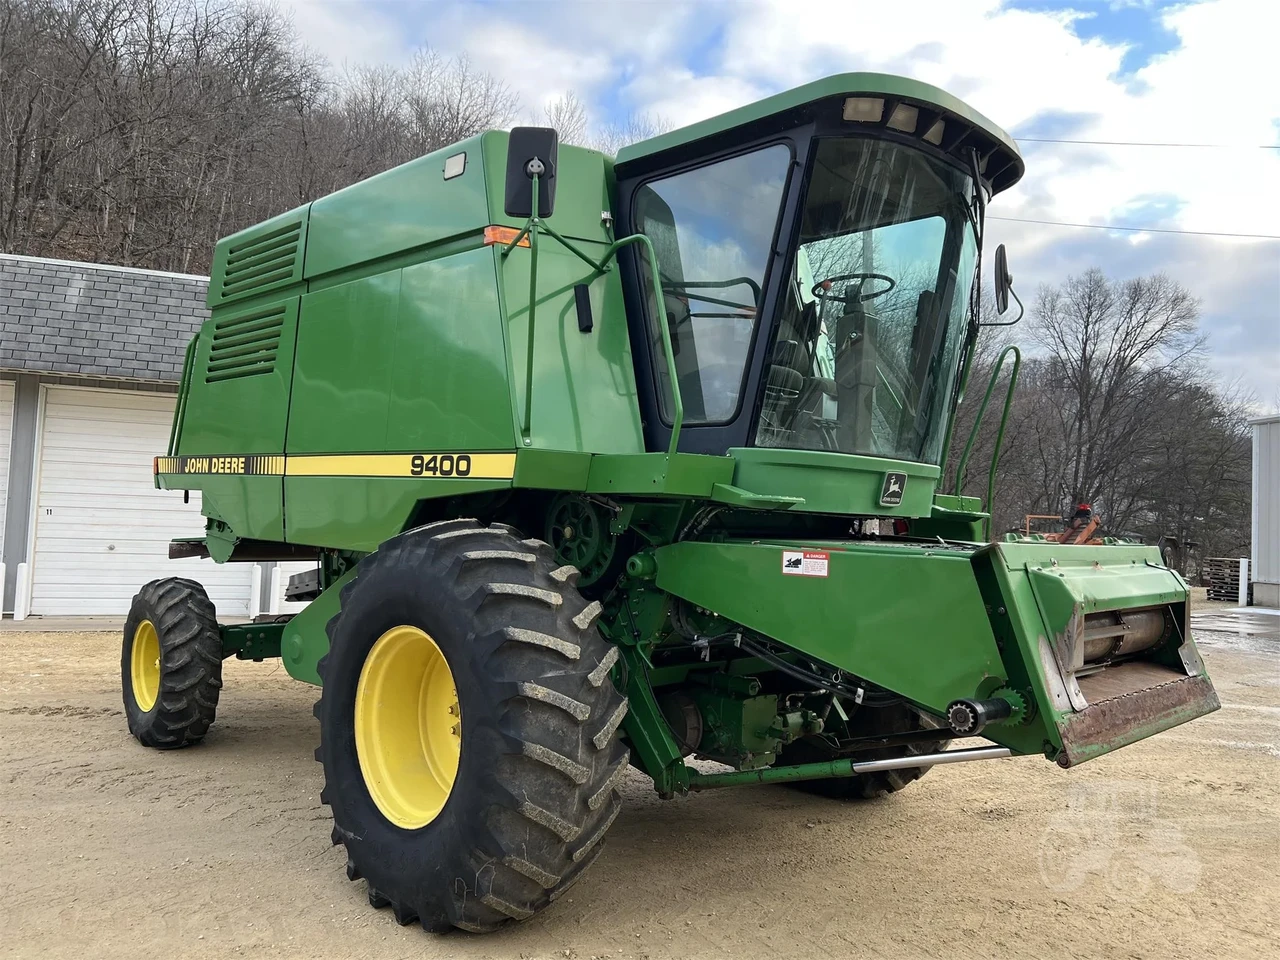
(607, 462)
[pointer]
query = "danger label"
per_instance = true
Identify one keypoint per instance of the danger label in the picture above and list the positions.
(805, 563)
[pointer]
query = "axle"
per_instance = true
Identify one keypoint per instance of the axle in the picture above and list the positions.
(840, 768)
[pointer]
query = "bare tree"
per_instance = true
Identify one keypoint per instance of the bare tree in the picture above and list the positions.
(1110, 348)
(638, 126)
(1112, 409)
(568, 116)
(141, 131)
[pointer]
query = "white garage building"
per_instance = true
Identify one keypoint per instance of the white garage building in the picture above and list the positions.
(90, 357)
(1265, 565)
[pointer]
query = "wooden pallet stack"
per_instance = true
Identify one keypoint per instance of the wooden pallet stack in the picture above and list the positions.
(1223, 577)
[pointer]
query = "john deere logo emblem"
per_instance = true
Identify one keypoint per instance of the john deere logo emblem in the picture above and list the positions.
(891, 492)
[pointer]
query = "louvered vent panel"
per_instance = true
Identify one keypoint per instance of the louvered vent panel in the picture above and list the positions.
(262, 263)
(245, 346)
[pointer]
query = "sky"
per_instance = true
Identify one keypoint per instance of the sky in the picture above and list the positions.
(1146, 71)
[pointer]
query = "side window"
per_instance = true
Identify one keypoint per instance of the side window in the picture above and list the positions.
(712, 230)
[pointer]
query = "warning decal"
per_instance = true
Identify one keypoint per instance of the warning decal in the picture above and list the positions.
(805, 563)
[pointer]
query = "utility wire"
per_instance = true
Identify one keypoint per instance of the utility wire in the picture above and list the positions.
(1108, 226)
(1141, 143)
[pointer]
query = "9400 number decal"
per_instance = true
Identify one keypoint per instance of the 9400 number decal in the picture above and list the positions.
(440, 465)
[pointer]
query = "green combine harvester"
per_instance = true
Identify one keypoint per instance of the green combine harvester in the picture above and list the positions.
(618, 462)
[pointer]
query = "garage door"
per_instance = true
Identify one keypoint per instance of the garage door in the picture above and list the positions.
(102, 529)
(6, 434)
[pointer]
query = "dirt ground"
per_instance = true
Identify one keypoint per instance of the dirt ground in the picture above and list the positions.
(1168, 849)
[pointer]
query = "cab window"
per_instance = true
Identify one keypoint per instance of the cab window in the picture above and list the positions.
(712, 230)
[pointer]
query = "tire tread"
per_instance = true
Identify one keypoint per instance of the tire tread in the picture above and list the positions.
(190, 658)
(554, 794)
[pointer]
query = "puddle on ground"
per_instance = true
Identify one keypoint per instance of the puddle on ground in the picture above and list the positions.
(1253, 629)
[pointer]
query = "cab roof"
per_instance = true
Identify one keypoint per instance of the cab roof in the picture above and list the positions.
(907, 107)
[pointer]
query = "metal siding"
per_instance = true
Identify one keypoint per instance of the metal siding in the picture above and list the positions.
(102, 529)
(6, 437)
(1266, 502)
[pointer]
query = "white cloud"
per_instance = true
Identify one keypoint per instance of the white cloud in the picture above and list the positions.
(1217, 86)
(347, 32)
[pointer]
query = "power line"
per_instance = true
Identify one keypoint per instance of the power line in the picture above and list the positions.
(1141, 143)
(1108, 226)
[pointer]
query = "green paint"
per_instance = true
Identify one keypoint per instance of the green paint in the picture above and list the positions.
(882, 613)
(240, 414)
(251, 641)
(409, 207)
(379, 320)
(259, 260)
(304, 640)
(1036, 591)
(952, 518)
(584, 392)
(647, 732)
(738, 722)
(360, 513)
(552, 469)
(833, 482)
(732, 496)
(650, 474)
(843, 85)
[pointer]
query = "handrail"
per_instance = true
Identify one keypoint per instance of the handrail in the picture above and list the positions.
(717, 285)
(668, 351)
(977, 423)
(184, 385)
(531, 230)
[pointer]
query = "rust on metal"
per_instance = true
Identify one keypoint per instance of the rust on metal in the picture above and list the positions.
(1123, 718)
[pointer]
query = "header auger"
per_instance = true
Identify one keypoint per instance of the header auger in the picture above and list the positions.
(616, 462)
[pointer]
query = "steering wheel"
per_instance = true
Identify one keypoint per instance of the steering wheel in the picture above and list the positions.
(820, 288)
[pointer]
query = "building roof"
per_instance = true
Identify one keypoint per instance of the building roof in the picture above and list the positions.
(883, 85)
(90, 319)
(1271, 418)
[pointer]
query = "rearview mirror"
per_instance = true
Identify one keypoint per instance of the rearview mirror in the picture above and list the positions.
(530, 151)
(1003, 280)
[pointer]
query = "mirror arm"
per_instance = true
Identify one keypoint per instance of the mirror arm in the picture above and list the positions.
(531, 228)
(598, 267)
(1009, 323)
(524, 232)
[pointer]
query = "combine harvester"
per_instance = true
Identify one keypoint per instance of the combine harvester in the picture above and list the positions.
(608, 462)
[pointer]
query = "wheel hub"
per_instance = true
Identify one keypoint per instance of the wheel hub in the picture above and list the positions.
(144, 665)
(408, 726)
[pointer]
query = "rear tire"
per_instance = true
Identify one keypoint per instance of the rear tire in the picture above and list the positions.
(867, 722)
(171, 664)
(529, 785)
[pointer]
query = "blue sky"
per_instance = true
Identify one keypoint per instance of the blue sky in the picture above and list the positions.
(1130, 70)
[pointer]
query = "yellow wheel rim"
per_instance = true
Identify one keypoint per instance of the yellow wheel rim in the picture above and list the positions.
(144, 665)
(408, 727)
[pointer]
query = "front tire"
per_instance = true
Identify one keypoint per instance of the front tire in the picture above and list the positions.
(468, 727)
(171, 664)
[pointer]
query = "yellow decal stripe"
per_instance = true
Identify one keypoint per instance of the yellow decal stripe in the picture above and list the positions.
(251, 465)
(450, 465)
(481, 466)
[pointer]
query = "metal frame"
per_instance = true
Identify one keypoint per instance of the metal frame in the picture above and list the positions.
(714, 438)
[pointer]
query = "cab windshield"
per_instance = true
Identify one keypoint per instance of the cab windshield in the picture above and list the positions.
(866, 350)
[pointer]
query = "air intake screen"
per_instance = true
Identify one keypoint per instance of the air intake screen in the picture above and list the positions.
(263, 263)
(245, 346)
